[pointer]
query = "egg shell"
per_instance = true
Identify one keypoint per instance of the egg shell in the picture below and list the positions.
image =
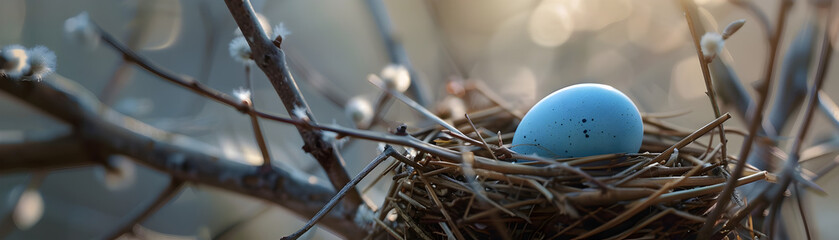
(580, 120)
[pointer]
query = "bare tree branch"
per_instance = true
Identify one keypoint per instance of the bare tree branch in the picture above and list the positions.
(706, 74)
(395, 51)
(271, 59)
(790, 168)
(179, 156)
(756, 113)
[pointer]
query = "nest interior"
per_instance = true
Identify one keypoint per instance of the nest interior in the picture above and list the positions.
(660, 193)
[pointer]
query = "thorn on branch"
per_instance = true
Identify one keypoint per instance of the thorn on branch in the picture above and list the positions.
(402, 130)
(278, 42)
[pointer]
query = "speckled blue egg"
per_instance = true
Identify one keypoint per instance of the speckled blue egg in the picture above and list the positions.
(580, 120)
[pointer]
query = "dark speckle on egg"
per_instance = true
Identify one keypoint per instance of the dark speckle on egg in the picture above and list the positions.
(585, 131)
(584, 120)
(586, 135)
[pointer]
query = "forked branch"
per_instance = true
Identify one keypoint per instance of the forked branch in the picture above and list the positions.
(271, 59)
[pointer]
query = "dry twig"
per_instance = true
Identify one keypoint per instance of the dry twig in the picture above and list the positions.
(756, 114)
(271, 59)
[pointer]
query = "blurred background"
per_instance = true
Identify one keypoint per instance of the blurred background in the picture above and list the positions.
(523, 50)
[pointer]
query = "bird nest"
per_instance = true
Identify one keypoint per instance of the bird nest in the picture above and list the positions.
(663, 192)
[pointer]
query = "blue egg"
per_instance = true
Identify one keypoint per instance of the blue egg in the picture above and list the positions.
(580, 120)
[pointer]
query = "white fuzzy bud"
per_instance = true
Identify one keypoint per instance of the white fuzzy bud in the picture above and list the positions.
(300, 113)
(41, 62)
(81, 29)
(332, 137)
(396, 77)
(711, 44)
(240, 51)
(242, 94)
(29, 208)
(359, 110)
(280, 30)
(14, 61)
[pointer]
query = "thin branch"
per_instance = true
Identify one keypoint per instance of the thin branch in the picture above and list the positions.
(260, 139)
(735, 219)
(164, 197)
(483, 141)
(335, 199)
(271, 59)
(383, 103)
(796, 191)
(396, 52)
(165, 74)
(756, 122)
(706, 73)
(257, 129)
